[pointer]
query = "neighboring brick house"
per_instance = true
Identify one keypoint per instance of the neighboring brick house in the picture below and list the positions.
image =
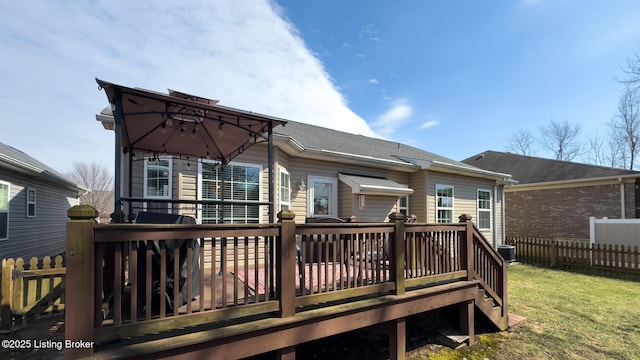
(556, 198)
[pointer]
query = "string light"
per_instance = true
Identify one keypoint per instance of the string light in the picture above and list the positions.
(220, 131)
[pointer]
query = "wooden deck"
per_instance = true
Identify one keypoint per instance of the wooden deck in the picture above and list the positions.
(267, 287)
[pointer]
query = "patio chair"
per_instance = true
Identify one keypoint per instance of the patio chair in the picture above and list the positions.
(144, 217)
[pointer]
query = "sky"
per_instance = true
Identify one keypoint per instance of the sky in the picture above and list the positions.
(451, 77)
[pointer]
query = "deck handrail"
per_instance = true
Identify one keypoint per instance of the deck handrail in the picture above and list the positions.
(386, 258)
(489, 268)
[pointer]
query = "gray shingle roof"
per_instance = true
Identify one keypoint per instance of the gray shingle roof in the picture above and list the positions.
(320, 138)
(529, 169)
(15, 157)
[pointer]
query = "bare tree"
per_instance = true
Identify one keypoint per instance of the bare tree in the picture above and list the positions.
(100, 184)
(596, 152)
(604, 151)
(562, 139)
(625, 126)
(521, 142)
(632, 72)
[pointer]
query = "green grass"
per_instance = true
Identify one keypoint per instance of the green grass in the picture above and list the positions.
(569, 316)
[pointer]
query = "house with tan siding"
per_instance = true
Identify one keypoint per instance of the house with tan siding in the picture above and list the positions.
(320, 172)
(34, 200)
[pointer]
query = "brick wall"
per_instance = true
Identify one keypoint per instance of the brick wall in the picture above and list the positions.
(564, 212)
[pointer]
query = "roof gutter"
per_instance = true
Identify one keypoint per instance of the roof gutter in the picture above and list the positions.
(504, 179)
(569, 183)
(330, 155)
(30, 170)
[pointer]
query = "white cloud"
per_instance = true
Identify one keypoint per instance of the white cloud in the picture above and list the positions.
(346, 45)
(241, 52)
(373, 81)
(369, 32)
(387, 123)
(428, 124)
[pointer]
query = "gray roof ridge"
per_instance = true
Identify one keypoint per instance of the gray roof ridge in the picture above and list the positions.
(26, 161)
(573, 163)
(381, 139)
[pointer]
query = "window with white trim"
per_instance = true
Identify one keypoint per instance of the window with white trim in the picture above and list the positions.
(484, 209)
(322, 196)
(444, 204)
(240, 182)
(157, 184)
(31, 203)
(403, 205)
(4, 210)
(285, 190)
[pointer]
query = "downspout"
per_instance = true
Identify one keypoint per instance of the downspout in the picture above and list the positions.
(495, 215)
(622, 207)
(504, 221)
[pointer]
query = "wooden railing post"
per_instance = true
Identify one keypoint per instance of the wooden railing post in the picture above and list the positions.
(286, 263)
(398, 263)
(6, 316)
(80, 282)
(468, 246)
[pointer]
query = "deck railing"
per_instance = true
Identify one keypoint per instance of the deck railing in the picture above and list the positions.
(120, 277)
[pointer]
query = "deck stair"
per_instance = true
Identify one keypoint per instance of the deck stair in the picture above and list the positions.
(493, 311)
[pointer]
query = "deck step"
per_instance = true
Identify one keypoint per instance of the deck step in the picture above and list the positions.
(453, 340)
(490, 309)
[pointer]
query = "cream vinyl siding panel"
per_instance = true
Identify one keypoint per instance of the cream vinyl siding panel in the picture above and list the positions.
(465, 191)
(377, 208)
(347, 200)
(418, 204)
(306, 167)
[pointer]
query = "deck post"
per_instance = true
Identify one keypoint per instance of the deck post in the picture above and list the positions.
(397, 339)
(468, 247)
(6, 316)
(80, 281)
(286, 264)
(467, 320)
(398, 255)
(288, 353)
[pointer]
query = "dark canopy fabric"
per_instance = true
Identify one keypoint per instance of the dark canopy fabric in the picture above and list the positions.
(183, 125)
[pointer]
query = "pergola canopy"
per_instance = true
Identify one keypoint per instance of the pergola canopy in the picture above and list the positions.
(183, 125)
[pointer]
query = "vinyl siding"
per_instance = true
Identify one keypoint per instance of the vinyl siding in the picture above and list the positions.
(44, 234)
(418, 204)
(347, 201)
(465, 191)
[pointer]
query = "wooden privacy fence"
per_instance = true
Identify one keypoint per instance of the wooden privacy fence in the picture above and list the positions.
(31, 289)
(594, 258)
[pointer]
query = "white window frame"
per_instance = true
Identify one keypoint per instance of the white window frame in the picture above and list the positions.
(199, 216)
(444, 208)
(405, 208)
(333, 197)
(287, 198)
(170, 185)
(490, 210)
(7, 210)
(30, 190)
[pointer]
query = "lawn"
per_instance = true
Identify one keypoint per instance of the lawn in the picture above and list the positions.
(569, 316)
